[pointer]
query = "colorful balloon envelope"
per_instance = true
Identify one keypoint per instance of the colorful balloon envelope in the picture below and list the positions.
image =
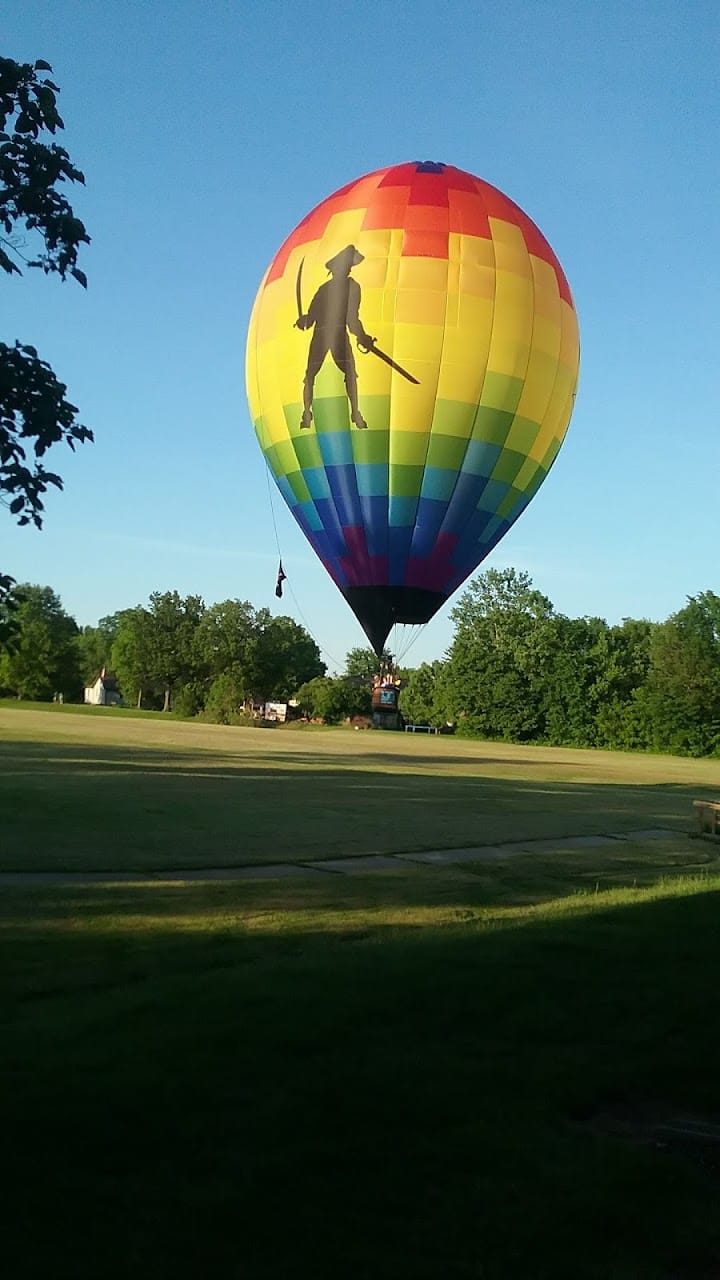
(412, 361)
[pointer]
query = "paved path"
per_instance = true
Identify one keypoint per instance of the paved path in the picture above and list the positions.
(357, 865)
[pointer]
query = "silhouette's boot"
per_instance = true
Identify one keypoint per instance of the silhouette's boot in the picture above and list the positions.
(306, 420)
(352, 391)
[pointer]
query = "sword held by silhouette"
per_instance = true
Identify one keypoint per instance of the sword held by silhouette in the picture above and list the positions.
(371, 350)
(298, 294)
(375, 351)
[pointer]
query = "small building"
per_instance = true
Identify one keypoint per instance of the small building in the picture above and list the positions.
(275, 711)
(103, 692)
(281, 711)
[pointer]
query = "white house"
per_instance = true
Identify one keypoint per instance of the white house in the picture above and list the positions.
(103, 692)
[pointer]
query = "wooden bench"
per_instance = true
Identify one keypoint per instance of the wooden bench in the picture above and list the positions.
(708, 817)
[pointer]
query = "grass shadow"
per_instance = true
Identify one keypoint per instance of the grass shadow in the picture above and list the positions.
(211, 1098)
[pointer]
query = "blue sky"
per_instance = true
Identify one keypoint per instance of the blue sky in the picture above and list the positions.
(207, 130)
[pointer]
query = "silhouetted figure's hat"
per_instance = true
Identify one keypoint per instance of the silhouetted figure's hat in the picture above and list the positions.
(345, 260)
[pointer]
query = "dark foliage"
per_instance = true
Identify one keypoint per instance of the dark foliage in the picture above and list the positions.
(35, 415)
(31, 171)
(34, 411)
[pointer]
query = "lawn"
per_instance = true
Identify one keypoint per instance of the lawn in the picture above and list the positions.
(107, 793)
(485, 1071)
(390, 1077)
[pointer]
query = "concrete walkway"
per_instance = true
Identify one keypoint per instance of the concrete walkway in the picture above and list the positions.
(356, 865)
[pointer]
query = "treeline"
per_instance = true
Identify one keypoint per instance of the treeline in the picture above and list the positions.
(517, 670)
(521, 672)
(174, 652)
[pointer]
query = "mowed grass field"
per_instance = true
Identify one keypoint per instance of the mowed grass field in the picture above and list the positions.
(109, 792)
(501, 1069)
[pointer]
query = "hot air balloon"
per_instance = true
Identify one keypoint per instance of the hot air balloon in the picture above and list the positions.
(412, 360)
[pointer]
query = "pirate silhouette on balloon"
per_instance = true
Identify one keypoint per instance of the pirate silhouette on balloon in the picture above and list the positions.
(335, 314)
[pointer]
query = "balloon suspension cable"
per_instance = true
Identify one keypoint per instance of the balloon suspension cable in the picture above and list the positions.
(272, 509)
(288, 583)
(404, 643)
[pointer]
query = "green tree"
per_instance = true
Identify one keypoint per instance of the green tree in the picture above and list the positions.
(225, 697)
(224, 648)
(95, 646)
(682, 690)
(214, 658)
(130, 658)
(34, 411)
(418, 699)
(42, 658)
(259, 656)
(287, 657)
(567, 690)
(364, 662)
(504, 640)
(168, 638)
(224, 638)
(8, 609)
(332, 699)
(622, 720)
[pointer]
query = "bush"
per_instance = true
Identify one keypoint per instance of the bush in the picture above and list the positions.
(187, 701)
(224, 701)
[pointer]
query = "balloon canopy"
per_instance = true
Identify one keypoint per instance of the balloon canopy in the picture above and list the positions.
(412, 360)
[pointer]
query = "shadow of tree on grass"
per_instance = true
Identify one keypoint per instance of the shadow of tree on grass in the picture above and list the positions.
(267, 1106)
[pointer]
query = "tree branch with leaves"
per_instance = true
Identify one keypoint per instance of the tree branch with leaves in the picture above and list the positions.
(38, 228)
